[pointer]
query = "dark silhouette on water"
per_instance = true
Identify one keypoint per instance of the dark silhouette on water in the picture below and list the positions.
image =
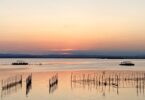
(53, 83)
(19, 62)
(11, 81)
(127, 63)
(11, 85)
(103, 80)
(28, 84)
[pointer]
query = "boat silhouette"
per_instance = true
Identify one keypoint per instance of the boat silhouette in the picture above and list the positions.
(19, 62)
(127, 63)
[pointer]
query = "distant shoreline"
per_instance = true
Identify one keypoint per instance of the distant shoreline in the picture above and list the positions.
(69, 56)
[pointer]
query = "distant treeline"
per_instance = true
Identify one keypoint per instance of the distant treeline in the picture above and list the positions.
(69, 56)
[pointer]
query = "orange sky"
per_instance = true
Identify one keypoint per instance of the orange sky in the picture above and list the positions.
(34, 25)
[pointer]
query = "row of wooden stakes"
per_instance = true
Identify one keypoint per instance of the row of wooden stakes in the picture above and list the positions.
(12, 82)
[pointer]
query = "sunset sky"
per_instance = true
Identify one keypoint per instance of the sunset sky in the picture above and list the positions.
(66, 26)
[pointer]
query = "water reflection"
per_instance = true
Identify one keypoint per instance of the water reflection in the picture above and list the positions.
(53, 83)
(28, 84)
(88, 85)
(11, 85)
(104, 81)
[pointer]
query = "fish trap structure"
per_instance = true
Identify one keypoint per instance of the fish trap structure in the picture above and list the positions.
(53, 83)
(11, 85)
(109, 79)
(11, 81)
(28, 84)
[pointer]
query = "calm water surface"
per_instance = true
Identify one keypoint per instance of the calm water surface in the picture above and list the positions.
(77, 79)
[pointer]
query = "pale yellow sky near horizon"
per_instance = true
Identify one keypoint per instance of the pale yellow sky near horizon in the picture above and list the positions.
(45, 25)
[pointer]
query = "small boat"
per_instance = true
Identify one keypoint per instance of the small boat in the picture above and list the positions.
(127, 63)
(19, 62)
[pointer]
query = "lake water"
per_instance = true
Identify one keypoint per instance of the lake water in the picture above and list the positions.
(73, 79)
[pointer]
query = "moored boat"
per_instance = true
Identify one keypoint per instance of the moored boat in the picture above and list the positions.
(19, 62)
(127, 63)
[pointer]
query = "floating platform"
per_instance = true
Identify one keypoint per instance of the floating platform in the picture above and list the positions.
(20, 63)
(127, 63)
